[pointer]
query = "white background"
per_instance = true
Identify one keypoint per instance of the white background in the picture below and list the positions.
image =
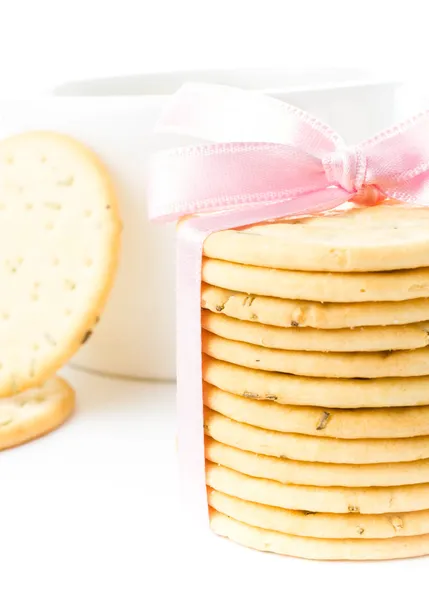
(71, 527)
(45, 42)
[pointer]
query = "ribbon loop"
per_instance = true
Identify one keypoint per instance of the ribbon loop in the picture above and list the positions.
(346, 168)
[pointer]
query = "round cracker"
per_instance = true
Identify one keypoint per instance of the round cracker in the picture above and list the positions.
(370, 501)
(302, 313)
(357, 423)
(377, 238)
(34, 412)
(369, 365)
(310, 448)
(316, 548)
(59, 240)
(321, 525)
(285, 470)
(361, 339)
(316, 391)
(322, 287)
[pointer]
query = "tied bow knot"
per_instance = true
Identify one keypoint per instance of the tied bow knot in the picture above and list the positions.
(346, 168)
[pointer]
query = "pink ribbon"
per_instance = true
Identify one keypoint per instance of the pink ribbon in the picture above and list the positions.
(285, 163)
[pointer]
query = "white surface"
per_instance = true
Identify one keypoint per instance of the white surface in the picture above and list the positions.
(90, 512)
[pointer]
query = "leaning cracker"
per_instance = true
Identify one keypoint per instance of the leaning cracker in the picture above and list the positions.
(341, 500)
(34, 412)
(302, 313)
(369, 365)
(321, 525)
(316, 391)
(311, 448)
(59, 240)
(315, 548)
(358, 339)
(361, 423)
(378, 238)
(320, 474)
(389, 286)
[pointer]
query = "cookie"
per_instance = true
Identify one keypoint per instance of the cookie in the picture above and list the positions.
(34, 412)
(321, 525)
(310, 420)
(316, 548)
(309, 448)
(369, 501)
(361, 339)
(321, 287)
(318, 474)
(378, 238)
(316, 391)
(302, 313)
(369, 365)
(59, 240)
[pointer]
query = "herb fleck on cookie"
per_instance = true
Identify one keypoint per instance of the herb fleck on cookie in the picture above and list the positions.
(323, 421)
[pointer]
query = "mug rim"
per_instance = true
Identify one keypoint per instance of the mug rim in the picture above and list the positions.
(162, 84)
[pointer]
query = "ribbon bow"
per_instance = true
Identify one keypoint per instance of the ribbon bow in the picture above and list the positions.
(286, 162)
(272, 159)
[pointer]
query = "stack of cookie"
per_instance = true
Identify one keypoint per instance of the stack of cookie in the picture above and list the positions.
(59, 234)
(316, 384)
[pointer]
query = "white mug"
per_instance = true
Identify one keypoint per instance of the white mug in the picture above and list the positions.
(116, 118)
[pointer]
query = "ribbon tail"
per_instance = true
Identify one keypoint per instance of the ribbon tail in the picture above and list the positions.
(191, 236)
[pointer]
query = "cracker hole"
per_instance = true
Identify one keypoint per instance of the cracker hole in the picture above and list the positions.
(69, 284)
(86, 337)
(2, 206)
(34, 297)
(55, 261)
(5, 316)
(36, 347)
(88, 262)
(10, 160)
(68, 312)
(43, 159)
(53, 205)
(49, 225)
(87, 213)
(29, 206)
(67, 182)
